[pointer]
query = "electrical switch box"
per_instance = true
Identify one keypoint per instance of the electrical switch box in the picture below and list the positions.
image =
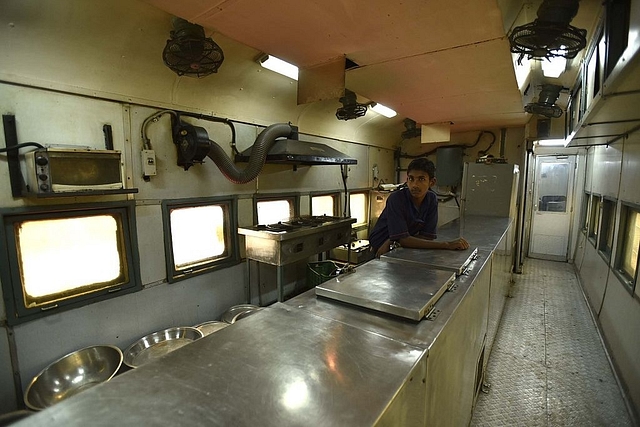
(148, 163)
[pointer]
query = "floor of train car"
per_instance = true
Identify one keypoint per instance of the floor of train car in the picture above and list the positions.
(548, 366)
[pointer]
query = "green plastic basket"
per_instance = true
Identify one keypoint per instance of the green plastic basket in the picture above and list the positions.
(320, 272)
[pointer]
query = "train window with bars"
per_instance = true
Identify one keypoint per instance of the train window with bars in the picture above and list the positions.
(199, 236)
(594, 218)
(358, 207)
(276, 209)
(605, 244)
(628, 245)
(324, 204)
(63, 257)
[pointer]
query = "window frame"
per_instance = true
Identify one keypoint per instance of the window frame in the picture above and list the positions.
(367, 208)
(586, 211)
(230, 210)
(294, 198)
(336, 201)
(607, 223)
(12, 288)
(593, 229)
(629, 282)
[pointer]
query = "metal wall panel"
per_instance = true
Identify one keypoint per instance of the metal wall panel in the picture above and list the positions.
(593, 276)
(606, 173)
(629, 188)
(8, 401)
(620, 317)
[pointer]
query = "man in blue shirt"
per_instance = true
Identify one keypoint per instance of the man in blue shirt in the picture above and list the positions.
(410, 216)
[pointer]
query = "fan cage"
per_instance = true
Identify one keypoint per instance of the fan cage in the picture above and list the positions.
(547, 40)
(193, 57)
(351, 111)
(551, 111)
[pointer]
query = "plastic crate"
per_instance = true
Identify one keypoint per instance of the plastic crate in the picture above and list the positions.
(320, 272)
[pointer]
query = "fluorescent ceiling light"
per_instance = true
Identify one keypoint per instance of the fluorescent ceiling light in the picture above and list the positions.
(381, 109)
(553, 67)
(279, 66)
(551, 142)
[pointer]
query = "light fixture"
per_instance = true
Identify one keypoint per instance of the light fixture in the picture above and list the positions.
(381, 109)
(272, 63)
(554, 66)
(551, 142)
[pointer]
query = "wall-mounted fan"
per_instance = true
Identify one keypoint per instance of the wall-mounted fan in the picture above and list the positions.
(350, 109)
(550, 35)
(189, 52)
(412, 129)
(545, 106)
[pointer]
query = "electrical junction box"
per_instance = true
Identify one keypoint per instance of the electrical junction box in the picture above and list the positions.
(148, 163)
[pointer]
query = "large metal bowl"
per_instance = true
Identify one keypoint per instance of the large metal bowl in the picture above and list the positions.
(207, 328)
(238, 312)
(158, 344)
(72, 374)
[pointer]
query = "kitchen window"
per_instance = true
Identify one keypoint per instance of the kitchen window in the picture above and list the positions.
(629, 242)
(326, 204)
(276, 209)
(63, 257)
(358, 208)
(199, 236)
(594, 218)
(605, 245)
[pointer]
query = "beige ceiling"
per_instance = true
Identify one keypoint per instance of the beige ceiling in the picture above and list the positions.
(431, 61)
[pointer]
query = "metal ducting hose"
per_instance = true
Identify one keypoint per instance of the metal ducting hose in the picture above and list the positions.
(263, 143)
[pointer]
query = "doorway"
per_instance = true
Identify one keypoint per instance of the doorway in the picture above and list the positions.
(552, 207)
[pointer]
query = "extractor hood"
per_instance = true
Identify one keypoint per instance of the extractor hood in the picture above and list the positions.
(295, 152)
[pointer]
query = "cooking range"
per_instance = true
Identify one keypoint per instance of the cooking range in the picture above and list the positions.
(294, 240)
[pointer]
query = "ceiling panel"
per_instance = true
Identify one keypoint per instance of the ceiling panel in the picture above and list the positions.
(431, 61)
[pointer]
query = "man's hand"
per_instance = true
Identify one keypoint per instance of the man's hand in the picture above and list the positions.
(458, 244)
(386, 247)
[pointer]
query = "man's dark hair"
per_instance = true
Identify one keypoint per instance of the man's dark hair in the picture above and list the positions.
(422, 164)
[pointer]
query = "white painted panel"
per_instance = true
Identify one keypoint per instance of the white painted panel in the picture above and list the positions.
(121, 321)
(620, 318)
(593, 276)
(606, 172)
(151, 244)
(630, 188)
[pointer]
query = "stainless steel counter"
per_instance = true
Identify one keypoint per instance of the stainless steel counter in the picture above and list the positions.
(421, 334)
(279, 367)
(482, 232)
(389, 287)
(438, 259)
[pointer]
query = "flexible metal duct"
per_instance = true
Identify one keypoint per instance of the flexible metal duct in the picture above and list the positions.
(263, 143)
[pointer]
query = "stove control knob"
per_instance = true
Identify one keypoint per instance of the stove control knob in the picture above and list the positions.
(44, 187)
(43, 177)
(41, 161)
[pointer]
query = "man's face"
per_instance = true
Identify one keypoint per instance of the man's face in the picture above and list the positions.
(419, 183)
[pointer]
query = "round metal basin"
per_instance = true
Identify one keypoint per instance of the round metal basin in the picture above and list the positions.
(208, 328)
(158, 344)
(238, 312)
(72, 374)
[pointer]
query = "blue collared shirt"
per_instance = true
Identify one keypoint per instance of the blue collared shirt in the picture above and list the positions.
(400, 218)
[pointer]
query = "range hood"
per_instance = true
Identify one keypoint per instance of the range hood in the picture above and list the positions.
(295, 152)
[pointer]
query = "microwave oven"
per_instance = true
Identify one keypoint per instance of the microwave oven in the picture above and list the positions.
(49, 171)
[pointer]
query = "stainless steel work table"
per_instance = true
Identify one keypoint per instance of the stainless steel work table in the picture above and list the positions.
(482, 232)
(279, 367)
(420, 334)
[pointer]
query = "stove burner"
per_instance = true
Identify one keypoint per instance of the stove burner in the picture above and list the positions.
(279, 227)
(312, 221)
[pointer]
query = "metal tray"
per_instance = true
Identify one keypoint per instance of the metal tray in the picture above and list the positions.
(157, 344)
(456, 261)
(390, 287)
(239, 311)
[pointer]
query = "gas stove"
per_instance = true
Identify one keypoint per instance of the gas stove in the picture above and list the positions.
(296, 239)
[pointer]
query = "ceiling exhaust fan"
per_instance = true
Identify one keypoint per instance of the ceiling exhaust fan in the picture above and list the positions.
(545, 106)
(350, 109)
(551, 34)
(189, 52)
